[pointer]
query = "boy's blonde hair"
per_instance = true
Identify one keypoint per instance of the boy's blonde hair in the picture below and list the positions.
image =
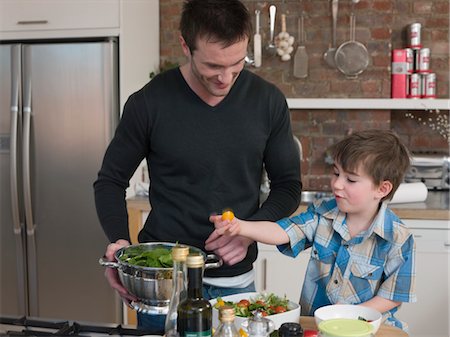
(379, 153)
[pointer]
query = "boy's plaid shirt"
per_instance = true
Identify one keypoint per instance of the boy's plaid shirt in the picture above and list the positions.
(341, 269)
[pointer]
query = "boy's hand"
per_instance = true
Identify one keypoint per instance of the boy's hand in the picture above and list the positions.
(225, 227)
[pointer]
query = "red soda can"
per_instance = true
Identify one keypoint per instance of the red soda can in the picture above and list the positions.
(414, 38)
(429, 85)
(409, 60)
(415, 86)
(424, 60)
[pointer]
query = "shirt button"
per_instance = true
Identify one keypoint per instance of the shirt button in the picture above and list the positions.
(315, 252)
(345, 245)
(335, 281)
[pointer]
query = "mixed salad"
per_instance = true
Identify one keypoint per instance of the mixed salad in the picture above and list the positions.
(268, 304)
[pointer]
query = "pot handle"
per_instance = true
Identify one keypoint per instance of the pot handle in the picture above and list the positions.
(110, 264)
(217, 262)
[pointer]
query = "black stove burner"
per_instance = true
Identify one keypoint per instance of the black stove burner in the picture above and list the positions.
(36, 327)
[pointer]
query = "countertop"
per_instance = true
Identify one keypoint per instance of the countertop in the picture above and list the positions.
(435, 207)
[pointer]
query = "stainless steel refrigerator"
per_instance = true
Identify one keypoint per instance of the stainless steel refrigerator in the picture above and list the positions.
(58, 110)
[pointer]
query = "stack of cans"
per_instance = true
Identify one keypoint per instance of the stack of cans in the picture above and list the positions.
(421, 80)
(411, 71)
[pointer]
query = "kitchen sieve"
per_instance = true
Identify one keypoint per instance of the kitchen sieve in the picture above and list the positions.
(352, 57)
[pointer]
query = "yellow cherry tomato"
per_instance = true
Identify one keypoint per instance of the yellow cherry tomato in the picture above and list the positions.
(228, 215)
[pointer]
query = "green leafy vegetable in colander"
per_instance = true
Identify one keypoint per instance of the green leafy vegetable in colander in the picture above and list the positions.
(155, 258)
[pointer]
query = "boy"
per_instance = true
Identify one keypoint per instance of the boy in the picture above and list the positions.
(361, 252)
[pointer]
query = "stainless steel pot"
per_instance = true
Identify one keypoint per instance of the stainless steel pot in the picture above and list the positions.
(153, 286)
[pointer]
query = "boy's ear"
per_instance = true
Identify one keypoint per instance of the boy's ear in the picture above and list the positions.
(385, 188)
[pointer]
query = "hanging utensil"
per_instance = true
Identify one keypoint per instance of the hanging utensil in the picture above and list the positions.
(257, 42)
(301, 58)
(271, 48)
(331, 52)
(352, 57)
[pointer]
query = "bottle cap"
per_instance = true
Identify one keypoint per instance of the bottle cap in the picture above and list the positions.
(290, 330)
(179, 253)
(226, 313)
(195, 261)
(345, 328)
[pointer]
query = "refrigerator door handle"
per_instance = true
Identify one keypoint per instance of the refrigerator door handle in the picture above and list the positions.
(30, 225)
(15, 92)
(16, 75)
(26, 142)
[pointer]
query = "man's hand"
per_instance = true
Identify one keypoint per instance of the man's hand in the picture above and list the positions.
(231, 249)
(112, 275)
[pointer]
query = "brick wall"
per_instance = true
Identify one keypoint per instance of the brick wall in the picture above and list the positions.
(381, 27)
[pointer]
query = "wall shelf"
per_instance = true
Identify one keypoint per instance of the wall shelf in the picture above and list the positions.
(368, 103)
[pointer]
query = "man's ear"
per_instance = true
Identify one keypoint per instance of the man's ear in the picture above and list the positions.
(385, 188)
(184, 46)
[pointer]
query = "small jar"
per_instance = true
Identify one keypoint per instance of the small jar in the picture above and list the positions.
(258, 325)
(345, 328)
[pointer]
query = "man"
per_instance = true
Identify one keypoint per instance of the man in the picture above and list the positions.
(205, 129)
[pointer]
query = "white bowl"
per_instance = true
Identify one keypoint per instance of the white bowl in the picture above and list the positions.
(292, 315)
(348, 311)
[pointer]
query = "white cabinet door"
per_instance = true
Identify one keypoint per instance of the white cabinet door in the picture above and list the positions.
(279, 274)
(430, 315)
(45, 18)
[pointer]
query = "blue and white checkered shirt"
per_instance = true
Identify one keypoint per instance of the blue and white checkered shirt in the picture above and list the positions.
(346, 270)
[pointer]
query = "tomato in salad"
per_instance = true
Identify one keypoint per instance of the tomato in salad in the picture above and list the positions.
(268, 305)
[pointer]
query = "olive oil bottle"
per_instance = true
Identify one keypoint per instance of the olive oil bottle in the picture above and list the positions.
(179, 285)
(195, 312)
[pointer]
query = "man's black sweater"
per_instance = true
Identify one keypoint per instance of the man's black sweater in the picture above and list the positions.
(201, 159)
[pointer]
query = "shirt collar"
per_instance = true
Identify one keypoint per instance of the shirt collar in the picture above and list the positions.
(382, 225)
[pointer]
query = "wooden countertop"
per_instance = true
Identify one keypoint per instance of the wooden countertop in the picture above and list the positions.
(436, 207)
(309, 323)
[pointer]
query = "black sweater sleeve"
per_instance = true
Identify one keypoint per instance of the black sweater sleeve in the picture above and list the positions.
(124, 154)
(282, 162)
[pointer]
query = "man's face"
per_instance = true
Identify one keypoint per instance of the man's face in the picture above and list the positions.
(215, 68)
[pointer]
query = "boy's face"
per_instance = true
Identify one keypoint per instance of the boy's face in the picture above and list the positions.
(355, 192)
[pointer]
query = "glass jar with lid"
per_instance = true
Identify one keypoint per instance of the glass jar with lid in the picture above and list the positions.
(258, 325)
(345, 328)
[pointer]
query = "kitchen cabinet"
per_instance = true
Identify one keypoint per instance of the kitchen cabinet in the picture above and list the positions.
(428, 317)
(59, 18)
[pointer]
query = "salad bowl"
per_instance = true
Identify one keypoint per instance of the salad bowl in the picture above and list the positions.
(276, 314)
